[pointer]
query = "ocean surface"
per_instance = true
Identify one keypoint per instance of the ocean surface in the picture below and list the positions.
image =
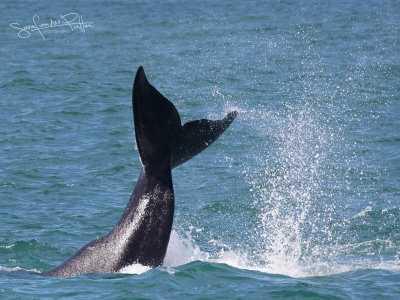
(299, 198)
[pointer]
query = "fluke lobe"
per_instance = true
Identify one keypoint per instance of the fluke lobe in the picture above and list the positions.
(142, 234)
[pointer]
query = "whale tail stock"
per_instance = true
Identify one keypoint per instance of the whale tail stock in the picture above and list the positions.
(162, 140)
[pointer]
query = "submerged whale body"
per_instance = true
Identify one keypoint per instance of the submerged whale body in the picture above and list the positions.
(142, 234)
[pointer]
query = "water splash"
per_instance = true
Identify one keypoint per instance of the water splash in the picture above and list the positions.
(304, 179)
(182, 250)
(285, 191)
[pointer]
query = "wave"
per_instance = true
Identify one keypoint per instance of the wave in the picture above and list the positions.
(18, 270)
(326, 259)
(183, 251)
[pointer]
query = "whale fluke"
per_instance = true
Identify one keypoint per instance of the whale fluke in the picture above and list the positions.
(157, 124)
(186, 141)
(198, 135)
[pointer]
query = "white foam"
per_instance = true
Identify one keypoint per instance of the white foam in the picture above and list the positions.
(16, 269)
(134, 269)
(182, 250)
(363, 212)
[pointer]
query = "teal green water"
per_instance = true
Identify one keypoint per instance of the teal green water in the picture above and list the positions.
(300, 198)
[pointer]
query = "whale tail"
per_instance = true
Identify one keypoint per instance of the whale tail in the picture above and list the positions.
(142, 234)
(162, 141)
